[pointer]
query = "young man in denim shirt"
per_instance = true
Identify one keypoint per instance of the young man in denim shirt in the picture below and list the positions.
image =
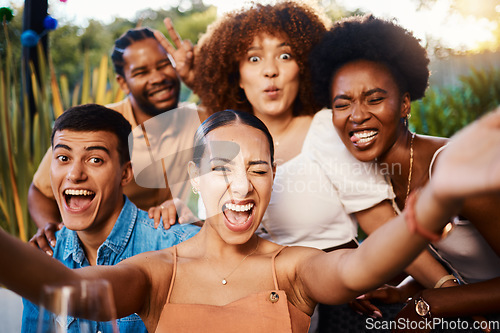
(90, 165)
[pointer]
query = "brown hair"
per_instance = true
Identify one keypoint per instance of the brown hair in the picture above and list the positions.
(227, 40)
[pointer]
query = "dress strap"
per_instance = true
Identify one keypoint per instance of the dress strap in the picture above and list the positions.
(174, 271)
(275, 279)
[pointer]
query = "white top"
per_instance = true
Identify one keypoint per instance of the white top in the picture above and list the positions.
(465, 251)
(314, 192)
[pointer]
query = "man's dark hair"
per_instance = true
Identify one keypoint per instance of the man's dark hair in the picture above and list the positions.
(124, 41)
(93, 118)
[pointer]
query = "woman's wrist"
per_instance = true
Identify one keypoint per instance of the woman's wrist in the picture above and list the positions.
(431, 212)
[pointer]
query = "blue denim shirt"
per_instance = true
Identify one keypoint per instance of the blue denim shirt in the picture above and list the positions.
(132, 234)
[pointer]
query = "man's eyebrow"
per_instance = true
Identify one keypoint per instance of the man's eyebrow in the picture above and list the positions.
(60, 145)
(138, 69)
(90, 148)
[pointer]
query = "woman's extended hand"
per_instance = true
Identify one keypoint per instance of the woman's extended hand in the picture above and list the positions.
(182, 53)
(470, 164)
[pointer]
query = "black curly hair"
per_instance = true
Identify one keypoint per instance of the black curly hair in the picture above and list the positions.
(369, 38)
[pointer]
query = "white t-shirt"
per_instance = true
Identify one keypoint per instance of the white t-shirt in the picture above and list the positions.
(315, 192)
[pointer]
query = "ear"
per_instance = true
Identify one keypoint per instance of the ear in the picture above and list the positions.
(405, 105)
(123, 84)
(194, 175)
(127, 173)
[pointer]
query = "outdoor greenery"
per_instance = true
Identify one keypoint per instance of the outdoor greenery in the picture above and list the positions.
(444, 111)
(78, 71)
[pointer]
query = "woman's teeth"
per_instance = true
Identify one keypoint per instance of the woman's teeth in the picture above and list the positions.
(362, 137)
(239, 208)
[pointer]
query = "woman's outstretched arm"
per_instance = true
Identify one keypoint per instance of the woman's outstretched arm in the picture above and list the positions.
(25, 270)
(470, 166)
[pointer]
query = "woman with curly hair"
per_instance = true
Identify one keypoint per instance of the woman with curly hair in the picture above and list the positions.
(256, 60)
(370, 83)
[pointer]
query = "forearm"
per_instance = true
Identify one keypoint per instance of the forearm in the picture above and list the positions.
(392, 247)
(426, 270)
(42, 209)
(465, 300)
(26, 270)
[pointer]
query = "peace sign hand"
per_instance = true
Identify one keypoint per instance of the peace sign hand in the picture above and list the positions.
(181, 56)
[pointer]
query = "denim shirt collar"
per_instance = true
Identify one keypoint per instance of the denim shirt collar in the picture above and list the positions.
(116, 240)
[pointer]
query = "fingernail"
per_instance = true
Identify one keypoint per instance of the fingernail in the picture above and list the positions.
(52, 243)
(377, 314)
(49, 253)
(172, 221)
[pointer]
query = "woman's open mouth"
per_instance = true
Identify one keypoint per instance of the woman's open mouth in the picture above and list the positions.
(238, 217)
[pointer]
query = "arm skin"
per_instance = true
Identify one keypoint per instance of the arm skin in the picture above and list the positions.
(349, 273)
(22, 263)
(468, 168)
(425, 268)
(45, 214)
(43, 210)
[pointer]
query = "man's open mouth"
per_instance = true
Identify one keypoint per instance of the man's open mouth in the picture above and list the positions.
(78, 199)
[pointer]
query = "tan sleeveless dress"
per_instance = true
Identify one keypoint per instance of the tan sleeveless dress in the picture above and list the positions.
(266, 311)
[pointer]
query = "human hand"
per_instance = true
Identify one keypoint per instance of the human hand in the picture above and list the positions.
(386, 294)
(470, 164)
(167, 212)
(44, 236)
(182, 53)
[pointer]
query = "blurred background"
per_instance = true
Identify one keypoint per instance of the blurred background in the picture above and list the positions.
(66, 62)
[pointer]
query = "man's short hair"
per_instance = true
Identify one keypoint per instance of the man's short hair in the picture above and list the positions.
(128, 38)
(93, 118)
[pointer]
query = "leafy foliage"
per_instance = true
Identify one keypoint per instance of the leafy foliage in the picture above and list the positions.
(444, 111)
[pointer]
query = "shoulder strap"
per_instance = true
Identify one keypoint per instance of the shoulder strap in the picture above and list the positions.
(174, 271)
(275, 279)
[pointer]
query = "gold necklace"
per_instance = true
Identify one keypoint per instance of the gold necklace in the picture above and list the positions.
(224, 279)
(410, 172)
(411, 167)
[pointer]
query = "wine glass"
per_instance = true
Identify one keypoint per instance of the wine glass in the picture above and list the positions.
(84, 307)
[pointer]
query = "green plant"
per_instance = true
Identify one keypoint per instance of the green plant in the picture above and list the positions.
(444, 111)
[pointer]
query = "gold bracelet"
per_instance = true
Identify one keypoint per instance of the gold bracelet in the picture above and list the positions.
(445, 279)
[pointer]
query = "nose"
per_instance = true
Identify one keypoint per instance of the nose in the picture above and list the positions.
(270, 68)
(157, 76)
(76, 172)
(240, 185)
(359, 114)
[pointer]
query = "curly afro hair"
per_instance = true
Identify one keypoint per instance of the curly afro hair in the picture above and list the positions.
(227, 40)
(369, 38)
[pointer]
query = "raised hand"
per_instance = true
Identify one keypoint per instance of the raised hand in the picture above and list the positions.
(182, 53)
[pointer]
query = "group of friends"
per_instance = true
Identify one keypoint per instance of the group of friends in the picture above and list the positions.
(304, 136)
